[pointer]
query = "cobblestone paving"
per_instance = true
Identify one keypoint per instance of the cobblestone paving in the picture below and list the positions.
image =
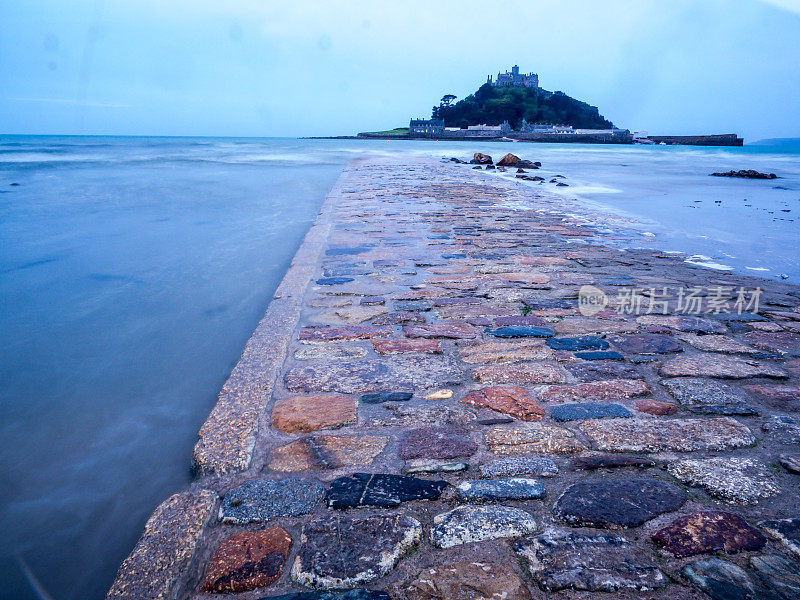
(448, 425)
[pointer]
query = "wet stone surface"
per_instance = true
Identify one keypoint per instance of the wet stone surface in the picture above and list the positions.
(439, 259)
(380, 397)
(646, 343)
(560, 560)
(679, 435)
(247, 561)
(468, 581)
(587, 463)
(260, 500)
(588, 410)
(614, 389)
(380, 489)
(726, 367)
(511, 400)
(365, 549)
(498, 352)
(492, 490)
(521, 332)
(617, 502)
(577, 343)
(723, 580)
(358, 594)
(735, 480)
(519, 373)
(602, 371)
(436, 442)
(358, 377)
(706, 396)
(599, 355)
(532, 437)
(326, 452)
(303, 414)
(467, 524)
(787, 531)
(708, 532)
(519, 465)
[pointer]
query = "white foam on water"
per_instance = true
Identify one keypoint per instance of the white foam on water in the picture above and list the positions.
(706, 261)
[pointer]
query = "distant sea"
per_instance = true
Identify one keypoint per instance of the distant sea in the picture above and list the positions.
(133, 270)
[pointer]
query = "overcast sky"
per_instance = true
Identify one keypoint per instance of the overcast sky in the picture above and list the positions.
(288, 68)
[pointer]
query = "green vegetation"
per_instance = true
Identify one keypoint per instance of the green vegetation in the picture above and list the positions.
(493, 105)
(396, 130)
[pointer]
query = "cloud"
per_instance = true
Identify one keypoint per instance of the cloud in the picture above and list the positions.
(790, 5)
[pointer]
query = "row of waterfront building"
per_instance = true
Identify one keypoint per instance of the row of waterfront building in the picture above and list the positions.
(435, 129)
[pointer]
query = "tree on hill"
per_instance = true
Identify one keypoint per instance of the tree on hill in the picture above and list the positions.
(445, 102)
(494, 104)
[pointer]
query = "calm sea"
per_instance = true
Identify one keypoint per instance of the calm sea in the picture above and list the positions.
(133, 270)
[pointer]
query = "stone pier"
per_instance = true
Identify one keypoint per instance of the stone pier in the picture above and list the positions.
(431, 409)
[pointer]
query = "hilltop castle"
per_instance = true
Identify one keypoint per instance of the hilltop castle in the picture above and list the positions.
(515, 78)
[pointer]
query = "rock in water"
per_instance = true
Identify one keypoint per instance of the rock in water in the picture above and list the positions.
(560, 560)
(474, 524)
(342, 552)
(248, 560)
(468, 581)
(617, 502)
(709, 531)
(481, 159)
(384, 490)
(509, 160)
(745, 173)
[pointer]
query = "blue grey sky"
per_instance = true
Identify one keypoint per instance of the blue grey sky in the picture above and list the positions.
(265, 68)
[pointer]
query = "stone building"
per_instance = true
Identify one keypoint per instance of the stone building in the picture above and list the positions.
(515, 78)
(426, 127)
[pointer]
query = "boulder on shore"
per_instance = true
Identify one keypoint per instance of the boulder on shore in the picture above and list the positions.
(509, 160)
(481, 159)
(527, 164)
(745, 174)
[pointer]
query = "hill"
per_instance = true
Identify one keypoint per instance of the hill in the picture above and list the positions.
(494, 104)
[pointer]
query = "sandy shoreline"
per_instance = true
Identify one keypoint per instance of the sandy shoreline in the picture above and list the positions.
(435, 259)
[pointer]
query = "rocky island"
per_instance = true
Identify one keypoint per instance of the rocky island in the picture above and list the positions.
(513, 107)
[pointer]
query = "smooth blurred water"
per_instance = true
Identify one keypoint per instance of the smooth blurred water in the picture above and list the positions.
(133, 271)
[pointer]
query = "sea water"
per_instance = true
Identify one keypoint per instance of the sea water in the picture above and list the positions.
(133, 270)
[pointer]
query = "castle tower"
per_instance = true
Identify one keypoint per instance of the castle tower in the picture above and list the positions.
(515, 70)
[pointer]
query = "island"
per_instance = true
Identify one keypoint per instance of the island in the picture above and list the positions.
(513, 107)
